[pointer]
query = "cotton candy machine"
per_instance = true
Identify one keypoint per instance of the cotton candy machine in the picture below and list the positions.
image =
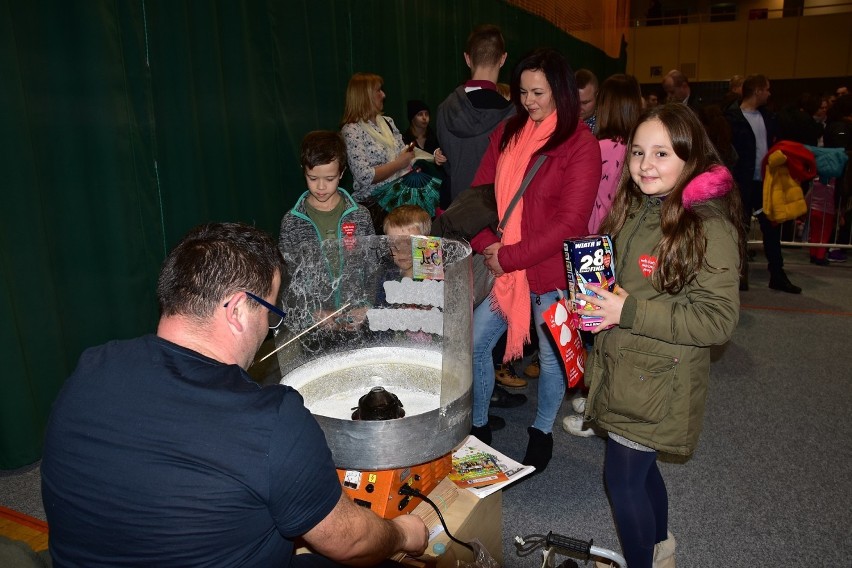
(359, 326)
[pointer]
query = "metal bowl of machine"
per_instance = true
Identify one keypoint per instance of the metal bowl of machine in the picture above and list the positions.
(330, 384)
(356, 327)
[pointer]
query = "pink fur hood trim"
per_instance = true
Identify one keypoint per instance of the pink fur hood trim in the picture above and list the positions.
(715, 182)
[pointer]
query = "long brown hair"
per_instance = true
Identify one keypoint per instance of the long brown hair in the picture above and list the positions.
(359, 98)
(619, 107)
(682, 249)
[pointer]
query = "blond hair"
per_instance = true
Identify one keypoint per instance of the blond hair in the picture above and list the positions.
(505, 90)
(406, 216)
(359, 98)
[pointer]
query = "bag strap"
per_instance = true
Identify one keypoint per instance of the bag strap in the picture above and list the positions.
(519, 194)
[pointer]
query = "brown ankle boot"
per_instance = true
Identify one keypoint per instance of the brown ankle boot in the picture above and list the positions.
(506, 377)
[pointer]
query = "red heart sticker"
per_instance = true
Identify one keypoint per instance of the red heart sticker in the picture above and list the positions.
(647, 264)
(348, 229)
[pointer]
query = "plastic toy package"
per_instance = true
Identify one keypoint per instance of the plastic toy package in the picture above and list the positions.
(589, 260)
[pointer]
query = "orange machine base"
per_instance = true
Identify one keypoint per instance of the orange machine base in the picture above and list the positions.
(379, 490)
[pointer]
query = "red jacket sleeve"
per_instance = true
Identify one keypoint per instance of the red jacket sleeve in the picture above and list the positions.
(482, 240)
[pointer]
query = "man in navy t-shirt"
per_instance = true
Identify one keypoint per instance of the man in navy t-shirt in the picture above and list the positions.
(162, 451)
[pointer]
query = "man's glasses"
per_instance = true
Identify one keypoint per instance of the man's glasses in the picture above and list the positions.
(276, 316)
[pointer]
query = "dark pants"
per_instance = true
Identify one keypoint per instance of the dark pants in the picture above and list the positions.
(640, 502)
(753, 201)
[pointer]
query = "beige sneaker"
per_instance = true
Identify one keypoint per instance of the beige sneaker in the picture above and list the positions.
(664, 553)
(574, 425)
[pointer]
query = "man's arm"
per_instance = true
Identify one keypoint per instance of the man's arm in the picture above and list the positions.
(355, 535)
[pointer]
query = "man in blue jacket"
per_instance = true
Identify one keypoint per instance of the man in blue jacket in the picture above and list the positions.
(753, 132)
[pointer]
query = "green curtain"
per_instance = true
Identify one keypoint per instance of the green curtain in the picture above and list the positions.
(125, 123)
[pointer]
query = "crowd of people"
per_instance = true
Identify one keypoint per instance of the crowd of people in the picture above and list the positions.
(162, 450)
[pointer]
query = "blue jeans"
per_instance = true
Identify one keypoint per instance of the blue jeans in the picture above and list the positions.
(488, 326)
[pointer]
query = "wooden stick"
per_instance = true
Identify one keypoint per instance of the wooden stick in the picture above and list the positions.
(292, 339)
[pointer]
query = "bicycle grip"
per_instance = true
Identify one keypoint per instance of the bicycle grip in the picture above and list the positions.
(567, 543)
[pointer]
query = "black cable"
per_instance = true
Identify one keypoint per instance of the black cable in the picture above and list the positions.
(531, 543)
(408, 490)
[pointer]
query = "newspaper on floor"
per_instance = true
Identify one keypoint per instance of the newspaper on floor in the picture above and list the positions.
(482, 470)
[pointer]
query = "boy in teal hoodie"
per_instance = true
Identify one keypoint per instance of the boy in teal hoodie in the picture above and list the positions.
(325, 211)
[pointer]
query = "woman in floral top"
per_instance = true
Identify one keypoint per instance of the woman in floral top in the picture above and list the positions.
(374, 145)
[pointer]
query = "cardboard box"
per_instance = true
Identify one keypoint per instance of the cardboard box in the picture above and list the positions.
(468, 517)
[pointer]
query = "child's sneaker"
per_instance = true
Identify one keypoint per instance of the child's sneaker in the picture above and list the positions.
(574, 425)
(836, 255)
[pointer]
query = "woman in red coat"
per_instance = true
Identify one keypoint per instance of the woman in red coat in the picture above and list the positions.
(528, 260)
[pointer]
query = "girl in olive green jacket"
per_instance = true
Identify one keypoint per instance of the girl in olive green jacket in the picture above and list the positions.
(678, 248)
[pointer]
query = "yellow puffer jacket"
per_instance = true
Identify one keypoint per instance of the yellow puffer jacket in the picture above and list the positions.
(783, 199)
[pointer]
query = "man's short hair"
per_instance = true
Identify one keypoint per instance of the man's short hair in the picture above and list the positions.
(212, 262)
(322, 147)
(677, 77)
(485, 46)
(736, 83)
(753, 83)
(584, 77)
(406, 216)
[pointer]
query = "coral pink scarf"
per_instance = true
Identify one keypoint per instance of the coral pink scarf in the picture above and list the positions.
(511, 292)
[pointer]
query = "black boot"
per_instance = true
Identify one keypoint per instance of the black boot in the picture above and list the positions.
(779, 281)
(482, 432)
(501, 398)
(539, 449)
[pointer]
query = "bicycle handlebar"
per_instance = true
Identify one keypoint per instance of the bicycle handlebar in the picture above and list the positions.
(567, 543)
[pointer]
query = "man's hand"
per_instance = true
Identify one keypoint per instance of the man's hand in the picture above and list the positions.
(415, 532)
(353, 535)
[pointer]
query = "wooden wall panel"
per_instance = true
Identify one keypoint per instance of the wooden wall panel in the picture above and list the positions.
(772, 47)
(849, 52)
(824, 45)
(653, 47)
(781, 48)
(690, 47)
(723, 50)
